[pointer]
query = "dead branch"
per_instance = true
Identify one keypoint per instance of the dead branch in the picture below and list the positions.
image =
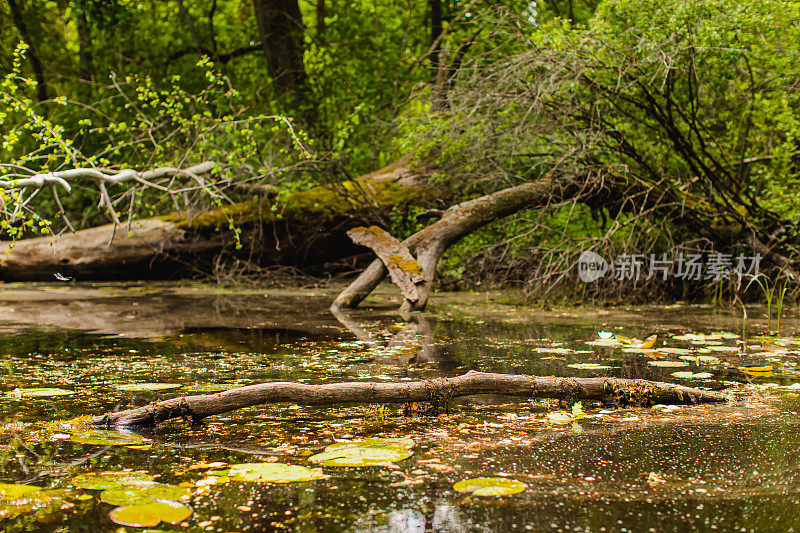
(430, 243)
(616, 390)
(62, 177)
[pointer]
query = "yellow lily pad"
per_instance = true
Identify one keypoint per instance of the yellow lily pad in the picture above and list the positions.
(109, 480)
(272, 473)
(490, 486)
(150, 514)
(39, 392)
(365, 452)
(143, 493)
(137, 387)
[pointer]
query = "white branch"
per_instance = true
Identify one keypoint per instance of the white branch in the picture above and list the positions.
(61, 177)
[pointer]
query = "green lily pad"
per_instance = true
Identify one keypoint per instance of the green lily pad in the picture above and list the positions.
(272, 473)
(589, 366)
(365, 452)
(105, 437)
(490, 486)
(41, 392)
(150, 514)
(13, 491)
(143, 493)
(668, 364)
(19, 499)
(138, 387)
(109, 480)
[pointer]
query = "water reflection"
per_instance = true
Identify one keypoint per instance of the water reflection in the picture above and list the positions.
(721, 468)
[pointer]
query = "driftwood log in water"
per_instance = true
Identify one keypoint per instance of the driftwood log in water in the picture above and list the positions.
(430, 243)
(616, 390)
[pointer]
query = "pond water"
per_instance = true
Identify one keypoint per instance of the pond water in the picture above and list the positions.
(731, 467)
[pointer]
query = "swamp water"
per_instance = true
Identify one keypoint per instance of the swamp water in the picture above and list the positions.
(733, 467)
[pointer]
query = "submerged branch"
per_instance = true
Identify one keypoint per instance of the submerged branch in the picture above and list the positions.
(616, 390)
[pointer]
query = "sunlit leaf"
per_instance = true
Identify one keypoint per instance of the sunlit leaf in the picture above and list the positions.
(365, 453)
(490, 486)
(589, 366)
(43, 392)
(668, 364)
(13, 491)
(272, 473)
(148, 386)
(150, 514)
(142, 493)
(692, 375)
(109, 480)
(104, 437)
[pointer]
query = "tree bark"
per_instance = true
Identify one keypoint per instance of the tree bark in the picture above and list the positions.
(459, 220)
(280, 27)
(36, 65)
(619, 391)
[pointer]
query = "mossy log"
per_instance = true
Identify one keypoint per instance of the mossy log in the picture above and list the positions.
(303, 228)
(615, 390)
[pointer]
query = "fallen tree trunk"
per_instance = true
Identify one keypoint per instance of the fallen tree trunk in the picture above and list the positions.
(306, 228)
(430, 243)
(616, 390)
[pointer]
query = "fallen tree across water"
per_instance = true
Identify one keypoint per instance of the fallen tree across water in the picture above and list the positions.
(613, 390)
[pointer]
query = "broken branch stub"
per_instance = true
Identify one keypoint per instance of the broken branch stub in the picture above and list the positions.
(616, 390)
(403, 268)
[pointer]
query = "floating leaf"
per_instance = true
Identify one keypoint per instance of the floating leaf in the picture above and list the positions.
(757, 371)
(18, 499)
(43, 392)
(668, 364)
(365, 452)
(648, 343)
(148, 386)
(723, 348)
(679, 351)
(692, 375)
(589, 366)
(272, 473)
(109, 480)
(12, 491)
(142, 493)
(209, 387)
(150, 514)
(105, 437)
(700, 359)
(490, 486)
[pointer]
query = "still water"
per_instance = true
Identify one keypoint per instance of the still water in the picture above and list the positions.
(732, 467)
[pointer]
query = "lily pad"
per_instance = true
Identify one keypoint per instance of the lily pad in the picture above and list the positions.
(13, 491)
(272, 473)
(150, 514)
(490, 486)
(105, 437)
(109, 480)
(365, 452)
(210, 387)
(668, 364)
(19, 499)
(137, 387)
(589, 366)
(692, 375)
(41, 392)
(143, 493)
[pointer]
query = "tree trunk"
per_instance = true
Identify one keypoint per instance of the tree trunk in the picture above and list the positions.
(619, 391)
(280, 27)
(36, 65)
(459, 220)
